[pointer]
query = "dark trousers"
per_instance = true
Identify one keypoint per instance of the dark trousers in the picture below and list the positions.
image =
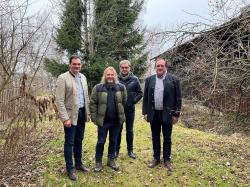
(73, 141)
(156, 126)
(130, 116)
(113, 128)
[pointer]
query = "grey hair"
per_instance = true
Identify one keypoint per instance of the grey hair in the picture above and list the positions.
(103, 81)
(125, 62)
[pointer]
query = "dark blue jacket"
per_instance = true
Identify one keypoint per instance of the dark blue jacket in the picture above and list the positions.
(133, 88)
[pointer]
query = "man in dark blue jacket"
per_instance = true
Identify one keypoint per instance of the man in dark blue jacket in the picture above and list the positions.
(161, 107)
(134, 93)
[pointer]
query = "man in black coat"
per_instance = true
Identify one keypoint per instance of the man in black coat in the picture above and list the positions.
(161, 107)
(134, 92)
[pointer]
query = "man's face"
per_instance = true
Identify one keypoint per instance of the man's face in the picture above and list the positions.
(124, 69)
(75, 65)
(110, 77)
(160, 67)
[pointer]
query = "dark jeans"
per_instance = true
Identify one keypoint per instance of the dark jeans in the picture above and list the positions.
(113, 128)
(156, 125)
(130, 116)
(73, 141)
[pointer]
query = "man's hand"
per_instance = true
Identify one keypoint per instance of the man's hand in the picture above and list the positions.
(146, 117)
(67, 123)
(174, 120)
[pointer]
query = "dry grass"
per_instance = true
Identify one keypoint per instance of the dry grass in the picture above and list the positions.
(200, 159)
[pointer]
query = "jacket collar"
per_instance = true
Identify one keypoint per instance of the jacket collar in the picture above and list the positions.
(166, 78)
(73, 75)
(130, 74)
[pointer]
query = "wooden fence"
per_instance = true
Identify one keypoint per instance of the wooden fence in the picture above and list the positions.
(9, 100)
(18, 101)
(232, 104)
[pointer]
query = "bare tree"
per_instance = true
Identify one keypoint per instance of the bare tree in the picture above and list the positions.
(24, 41)
(212, 57)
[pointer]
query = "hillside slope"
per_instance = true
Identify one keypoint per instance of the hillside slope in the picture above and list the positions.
(200, 159)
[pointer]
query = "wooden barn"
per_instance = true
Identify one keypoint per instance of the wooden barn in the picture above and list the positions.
(214, 66)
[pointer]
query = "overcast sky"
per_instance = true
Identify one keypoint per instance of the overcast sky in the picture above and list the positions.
(163, 14)
(170, 12)
(157, 12)
(160, 12)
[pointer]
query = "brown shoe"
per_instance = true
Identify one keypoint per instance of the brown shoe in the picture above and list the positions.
(82, 168)
(72, 175)
(168, 165)
(153, 163)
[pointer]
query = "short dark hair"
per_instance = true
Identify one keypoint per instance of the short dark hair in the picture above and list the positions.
(74, 56)
(161, 58)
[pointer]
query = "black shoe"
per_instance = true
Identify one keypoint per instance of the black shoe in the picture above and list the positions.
(98, 167)
(72, 175)
(82, 168)
(131, 154)
(111, 163)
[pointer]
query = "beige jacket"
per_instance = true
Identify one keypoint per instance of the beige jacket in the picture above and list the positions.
(67, 97)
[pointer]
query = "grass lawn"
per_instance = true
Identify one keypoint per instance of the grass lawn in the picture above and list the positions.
(199, 158)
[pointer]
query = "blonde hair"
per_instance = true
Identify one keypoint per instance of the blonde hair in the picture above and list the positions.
(125, 62)
(103, 81)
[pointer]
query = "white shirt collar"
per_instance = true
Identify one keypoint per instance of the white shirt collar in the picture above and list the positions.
(162, 77)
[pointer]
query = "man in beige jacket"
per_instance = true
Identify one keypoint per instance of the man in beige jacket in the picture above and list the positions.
(72, 101)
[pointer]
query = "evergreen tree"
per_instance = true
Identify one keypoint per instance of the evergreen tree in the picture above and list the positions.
(68, 36)
(54, 67)
(115, 36)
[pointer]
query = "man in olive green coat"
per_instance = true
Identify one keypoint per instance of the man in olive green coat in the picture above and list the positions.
(107, 111)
